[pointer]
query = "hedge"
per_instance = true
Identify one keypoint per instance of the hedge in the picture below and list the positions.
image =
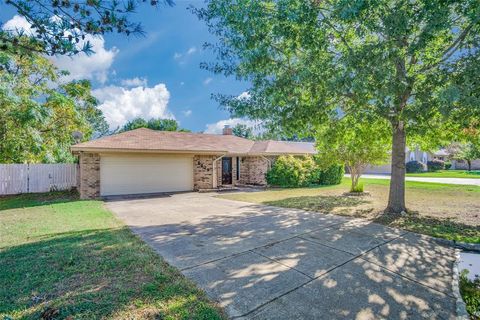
(290, 171)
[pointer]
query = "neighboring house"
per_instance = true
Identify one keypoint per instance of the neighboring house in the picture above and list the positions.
(410, 155)
(148, 161)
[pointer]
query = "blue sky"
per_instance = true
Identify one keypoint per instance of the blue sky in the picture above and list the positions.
(155, 75)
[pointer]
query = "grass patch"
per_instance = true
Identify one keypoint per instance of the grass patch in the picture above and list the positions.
(439, 210)
(75, 259)
(474, 174)
(470, 291)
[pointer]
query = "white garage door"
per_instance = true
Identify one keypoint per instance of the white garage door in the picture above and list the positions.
(134, 174)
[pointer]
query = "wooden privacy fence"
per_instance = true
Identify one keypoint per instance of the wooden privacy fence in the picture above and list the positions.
(31, 178)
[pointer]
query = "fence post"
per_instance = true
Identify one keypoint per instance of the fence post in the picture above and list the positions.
(28, 177)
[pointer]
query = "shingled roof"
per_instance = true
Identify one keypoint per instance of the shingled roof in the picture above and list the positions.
(147, 140)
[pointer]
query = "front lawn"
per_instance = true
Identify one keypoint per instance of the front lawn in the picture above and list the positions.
(440, 210)
(474, 174)
(61, 258)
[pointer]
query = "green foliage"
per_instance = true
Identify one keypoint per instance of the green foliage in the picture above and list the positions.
(358, 188)
(356, 142)
(242, 130)
(290, 171)
(40, 116)
(470, 291)
(448, 165)
(469, 152)
(415, 167)
(74, 20)
(154, 124)
(435, 165)
(331, 175)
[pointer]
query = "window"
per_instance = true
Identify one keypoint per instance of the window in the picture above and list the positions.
(238, 168)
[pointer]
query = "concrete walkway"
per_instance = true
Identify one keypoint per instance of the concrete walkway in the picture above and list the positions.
(261, 262)
(461, 181)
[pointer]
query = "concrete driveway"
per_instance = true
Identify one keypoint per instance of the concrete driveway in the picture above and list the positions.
(262, 262)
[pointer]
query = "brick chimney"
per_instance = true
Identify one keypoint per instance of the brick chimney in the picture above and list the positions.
(227, 131)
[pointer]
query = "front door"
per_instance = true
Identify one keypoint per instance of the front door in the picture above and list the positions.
(227, 170)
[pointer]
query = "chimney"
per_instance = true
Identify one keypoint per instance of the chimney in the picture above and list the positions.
(227, 131)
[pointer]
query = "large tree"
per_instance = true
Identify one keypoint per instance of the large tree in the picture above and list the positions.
(61, 25)
(39, 118)
(412, 63)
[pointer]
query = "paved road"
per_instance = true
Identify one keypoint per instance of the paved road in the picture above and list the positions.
(462, 181)
(262, 262)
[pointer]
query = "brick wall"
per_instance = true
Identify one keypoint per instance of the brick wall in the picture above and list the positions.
(253, 170)
(89, 186)
(203, 172)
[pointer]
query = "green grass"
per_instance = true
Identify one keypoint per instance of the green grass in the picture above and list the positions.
(470, 291)
(439, 210)
(474, 174)
(76, 260)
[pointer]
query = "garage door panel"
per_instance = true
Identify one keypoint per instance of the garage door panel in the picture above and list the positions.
(145, 174)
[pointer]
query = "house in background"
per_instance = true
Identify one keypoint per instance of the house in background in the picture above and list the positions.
(147, 161)
(411, 155)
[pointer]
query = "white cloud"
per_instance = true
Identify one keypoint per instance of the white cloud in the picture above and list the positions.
(217, 127)
(120, 105)
(182, 57)
(177, 56)
(244, 96)
(182, 83)
(81, 66)
(134, 82)
(187, 113)
(17, 24)
(207, 81)
(93, 67)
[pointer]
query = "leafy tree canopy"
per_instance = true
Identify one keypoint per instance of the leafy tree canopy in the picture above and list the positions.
(354, 142)
(242, 130)
(61, 25)
(154, 124)
(412, 63)
(40, 119)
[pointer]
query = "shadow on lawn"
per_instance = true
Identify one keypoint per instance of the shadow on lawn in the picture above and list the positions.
(94, 274)
(440, 228)
(324, 204)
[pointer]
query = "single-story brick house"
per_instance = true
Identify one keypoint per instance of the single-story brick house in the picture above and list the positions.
(148, 161)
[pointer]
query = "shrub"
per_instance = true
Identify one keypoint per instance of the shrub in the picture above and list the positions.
(435, 165)
(358, 188)
(290, 171)
(415, 167)
(332, 175)
(448, 165)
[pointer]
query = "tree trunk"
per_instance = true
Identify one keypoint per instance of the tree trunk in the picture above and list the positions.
(469, 165)
(396, 199)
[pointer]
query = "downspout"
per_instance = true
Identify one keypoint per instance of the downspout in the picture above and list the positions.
(215, 178)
